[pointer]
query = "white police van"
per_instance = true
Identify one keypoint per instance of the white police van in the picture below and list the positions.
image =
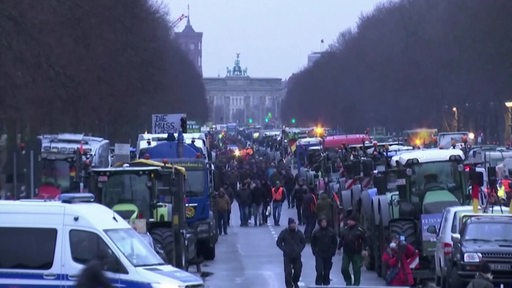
(47, 243)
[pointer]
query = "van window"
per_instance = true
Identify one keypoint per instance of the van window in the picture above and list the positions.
(27, 248)
(86, 246)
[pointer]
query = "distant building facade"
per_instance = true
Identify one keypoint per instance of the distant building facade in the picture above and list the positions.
(242, 99)
(191, 42)
(313, 56)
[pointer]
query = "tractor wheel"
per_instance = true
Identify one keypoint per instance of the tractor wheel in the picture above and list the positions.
(164, 238)
(380, 267)
(406, 228)
(369, 225)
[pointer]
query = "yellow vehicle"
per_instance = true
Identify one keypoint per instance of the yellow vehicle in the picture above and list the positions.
(423, 137)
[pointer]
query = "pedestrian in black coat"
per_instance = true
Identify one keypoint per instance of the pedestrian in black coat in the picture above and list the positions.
(309, 213)
(267, 199)
(92, 275)
(323, 243)
(291, 241)
(298, 194)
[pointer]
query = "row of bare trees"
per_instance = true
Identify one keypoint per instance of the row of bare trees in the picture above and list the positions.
(409, 63)
(95, 66)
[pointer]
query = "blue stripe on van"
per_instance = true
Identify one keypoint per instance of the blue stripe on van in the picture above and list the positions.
(39, 281)
(32, 279)
(26, 275)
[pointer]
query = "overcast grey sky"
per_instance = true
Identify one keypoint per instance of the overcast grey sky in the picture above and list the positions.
(273, 37)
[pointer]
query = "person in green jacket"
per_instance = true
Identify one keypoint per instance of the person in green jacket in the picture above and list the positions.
(324, 209)
(354, 242)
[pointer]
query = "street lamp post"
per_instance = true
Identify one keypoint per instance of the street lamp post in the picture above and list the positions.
(456, 118)
(508, 131)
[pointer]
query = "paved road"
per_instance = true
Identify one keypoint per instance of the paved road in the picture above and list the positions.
(248, 257)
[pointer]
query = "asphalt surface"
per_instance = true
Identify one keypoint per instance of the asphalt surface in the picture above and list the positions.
(248, 257)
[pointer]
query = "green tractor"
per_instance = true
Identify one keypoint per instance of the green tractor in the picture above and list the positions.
(154, 192)
(426, 182)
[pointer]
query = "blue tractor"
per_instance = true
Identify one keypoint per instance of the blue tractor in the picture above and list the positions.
(198, 189)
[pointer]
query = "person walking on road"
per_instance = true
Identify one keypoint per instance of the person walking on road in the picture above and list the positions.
(291, 242)
(231, 195)
(353, 241)
(267, 200)
(289, 186)
(298, 194)
(222, 205)
(244, 203)
(309, 213)
(257, 203)
(277, 202)
(323, 243)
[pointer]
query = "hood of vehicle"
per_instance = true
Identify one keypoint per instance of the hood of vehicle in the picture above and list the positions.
(494, 246)
(169, 275)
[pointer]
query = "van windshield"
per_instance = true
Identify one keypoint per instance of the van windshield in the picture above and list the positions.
(134, 248)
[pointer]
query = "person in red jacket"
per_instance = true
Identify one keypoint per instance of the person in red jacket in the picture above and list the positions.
(399, 257)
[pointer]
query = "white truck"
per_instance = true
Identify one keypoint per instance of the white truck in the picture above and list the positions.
(65, 158)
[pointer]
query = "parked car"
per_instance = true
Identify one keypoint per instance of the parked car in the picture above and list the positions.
(483, 238)
(449, 226)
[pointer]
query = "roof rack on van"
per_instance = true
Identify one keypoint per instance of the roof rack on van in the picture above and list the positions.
(76, 197)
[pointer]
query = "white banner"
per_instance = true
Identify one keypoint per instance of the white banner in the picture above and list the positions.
(166, 123)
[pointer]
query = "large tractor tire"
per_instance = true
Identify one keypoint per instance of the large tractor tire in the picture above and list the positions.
(206, 250)
(366, 206)
(380, 267)
(406, 228)
(369, 226)
(346, 199)
(355, 194)
(164, 238)
(384, 211)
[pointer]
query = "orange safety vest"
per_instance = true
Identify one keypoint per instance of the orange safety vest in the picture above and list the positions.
(277, 195)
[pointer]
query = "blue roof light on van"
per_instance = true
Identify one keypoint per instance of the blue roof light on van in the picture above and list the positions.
(76, 198)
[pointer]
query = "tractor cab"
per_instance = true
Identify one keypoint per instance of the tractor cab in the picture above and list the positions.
(152, 192)
(429, 181)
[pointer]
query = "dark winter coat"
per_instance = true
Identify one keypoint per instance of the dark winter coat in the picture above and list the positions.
(353, 239)
(291, 242)
(324, 207)
(324, 242)
(92, 276)
(257, 195)
(244, 196)
(267, 192)
(300, 192)
(289, 182)
(309, 205)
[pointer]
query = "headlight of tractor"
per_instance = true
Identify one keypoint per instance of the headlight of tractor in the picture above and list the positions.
(472, 257)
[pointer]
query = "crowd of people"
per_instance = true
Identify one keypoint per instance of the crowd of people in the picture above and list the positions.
(262, 186)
